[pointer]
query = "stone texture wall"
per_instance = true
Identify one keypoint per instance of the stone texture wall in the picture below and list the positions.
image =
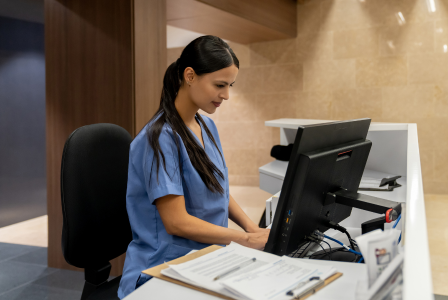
(383, 59)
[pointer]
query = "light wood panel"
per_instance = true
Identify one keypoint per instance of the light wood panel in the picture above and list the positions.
(92, 74)
(279, 15)
(239, 21)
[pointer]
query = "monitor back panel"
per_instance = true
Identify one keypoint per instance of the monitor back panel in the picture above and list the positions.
(315, 168)
(307, 209)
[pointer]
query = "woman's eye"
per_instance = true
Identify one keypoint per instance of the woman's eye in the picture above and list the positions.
(220, 85)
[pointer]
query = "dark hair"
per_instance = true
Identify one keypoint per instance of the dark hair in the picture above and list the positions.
(206, 54)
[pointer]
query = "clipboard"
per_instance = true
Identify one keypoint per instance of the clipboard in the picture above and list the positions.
(156, 272)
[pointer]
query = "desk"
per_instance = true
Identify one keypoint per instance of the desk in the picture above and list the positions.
(342, 288)
(395, 151)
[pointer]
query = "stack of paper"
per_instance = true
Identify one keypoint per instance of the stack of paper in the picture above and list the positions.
(243, 273)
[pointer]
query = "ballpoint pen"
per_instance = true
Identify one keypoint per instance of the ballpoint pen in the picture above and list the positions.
(312, 288)
(235, 269)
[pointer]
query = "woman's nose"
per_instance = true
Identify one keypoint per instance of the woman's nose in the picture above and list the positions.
(225, 94)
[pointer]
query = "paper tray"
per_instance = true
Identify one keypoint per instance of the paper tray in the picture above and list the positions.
(156, 272)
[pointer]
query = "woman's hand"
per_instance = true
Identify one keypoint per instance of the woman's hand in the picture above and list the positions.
(258, 240)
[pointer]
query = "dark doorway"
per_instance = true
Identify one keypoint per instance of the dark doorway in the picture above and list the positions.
(22, 120)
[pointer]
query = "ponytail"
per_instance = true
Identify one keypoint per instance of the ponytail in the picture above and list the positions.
(205, 54)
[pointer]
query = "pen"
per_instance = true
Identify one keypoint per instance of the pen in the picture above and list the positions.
(312, 288)
(235, 268)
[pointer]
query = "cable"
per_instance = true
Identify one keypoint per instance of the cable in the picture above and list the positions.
(297, 250)
(350, 240)
(338, 227)
(318, 237)
(360, 261)
(354, 243)
(340, 243)
(395, 225)
(326, 254)
(328, 245)
(302, 248)
(330, 249)
(396, 222)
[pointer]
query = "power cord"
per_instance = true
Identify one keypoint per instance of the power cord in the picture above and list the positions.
(396, 222)
(326, 254)
(331, 251)
(338, 227)
(395, 225)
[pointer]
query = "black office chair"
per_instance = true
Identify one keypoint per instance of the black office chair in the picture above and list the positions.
(93, 192)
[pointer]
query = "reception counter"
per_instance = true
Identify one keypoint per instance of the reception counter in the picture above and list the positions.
(395, 151)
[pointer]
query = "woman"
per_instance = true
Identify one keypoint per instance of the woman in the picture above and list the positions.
(178, 190)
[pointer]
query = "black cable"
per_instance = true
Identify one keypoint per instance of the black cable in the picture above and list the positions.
(326, 254)
(350, 240)
(302, 247)
(328, 247)
(343, 230)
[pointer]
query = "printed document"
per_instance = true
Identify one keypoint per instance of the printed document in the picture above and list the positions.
(243, 273)
(274, 280)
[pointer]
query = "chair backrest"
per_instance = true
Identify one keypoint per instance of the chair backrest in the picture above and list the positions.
(93, 193)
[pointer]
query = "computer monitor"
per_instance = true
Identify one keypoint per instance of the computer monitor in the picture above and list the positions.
(321, 183)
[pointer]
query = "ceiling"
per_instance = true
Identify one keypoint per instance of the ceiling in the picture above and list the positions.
(178, 37)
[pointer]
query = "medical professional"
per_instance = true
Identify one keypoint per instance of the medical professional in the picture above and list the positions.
(178, 188)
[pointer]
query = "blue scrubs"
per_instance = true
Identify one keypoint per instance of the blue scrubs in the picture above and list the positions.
(151, 244)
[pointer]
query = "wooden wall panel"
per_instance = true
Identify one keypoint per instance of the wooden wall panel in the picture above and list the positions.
(279, 15)
(90, 79)
(150, 43)
(239, 21)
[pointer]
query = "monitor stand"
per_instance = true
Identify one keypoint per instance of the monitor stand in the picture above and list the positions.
(364, 202)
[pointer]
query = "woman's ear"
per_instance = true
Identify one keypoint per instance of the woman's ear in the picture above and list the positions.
(189, 75)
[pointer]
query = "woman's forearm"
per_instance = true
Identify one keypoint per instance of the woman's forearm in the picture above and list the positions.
(178, 222)
(195, 229)
(237, 215)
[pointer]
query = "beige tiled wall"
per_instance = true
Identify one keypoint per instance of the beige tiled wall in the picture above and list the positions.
(351, 59)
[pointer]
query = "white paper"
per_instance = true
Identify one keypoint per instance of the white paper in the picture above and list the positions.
(378, 248)
(274, 280)
(276, 275)
(202, 270)
(387, 286)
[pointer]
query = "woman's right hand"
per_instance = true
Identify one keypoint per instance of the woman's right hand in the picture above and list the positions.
(258, 240)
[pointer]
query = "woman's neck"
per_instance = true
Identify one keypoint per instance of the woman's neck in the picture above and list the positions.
(186, 108)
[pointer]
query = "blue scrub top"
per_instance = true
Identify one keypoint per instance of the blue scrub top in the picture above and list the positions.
(151, 244)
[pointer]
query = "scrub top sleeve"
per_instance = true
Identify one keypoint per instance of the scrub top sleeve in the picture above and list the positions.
(161, 183)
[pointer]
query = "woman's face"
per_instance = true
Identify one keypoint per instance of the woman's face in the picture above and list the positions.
(208, 91)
